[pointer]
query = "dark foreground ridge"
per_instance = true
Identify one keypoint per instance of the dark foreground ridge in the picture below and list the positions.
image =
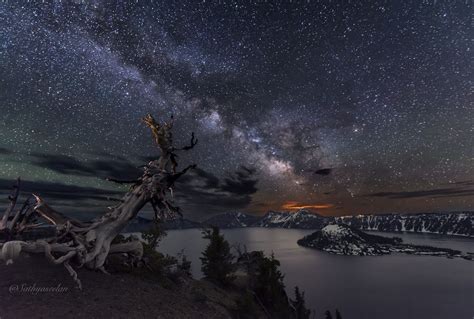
(42, 291)
(119, 295)
(246, 285)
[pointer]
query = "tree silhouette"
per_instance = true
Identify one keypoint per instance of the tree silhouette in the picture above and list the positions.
(217, 260)
(299, 305)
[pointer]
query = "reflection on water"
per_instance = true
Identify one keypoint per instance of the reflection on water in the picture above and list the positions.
(393, 286)
(454, 242)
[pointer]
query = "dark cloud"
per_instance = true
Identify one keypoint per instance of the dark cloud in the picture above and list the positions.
(435, 193)
(463, 183)
(242, 183)
(199, 193)
(104, 154)
(80, 202)
(194, 190)
(116, 168)
(59, 191)
(5, 151)
(211, 181)
(203, 193)
(323, 171)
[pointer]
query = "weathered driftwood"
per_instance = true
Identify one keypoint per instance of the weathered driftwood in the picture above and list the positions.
(88, 244)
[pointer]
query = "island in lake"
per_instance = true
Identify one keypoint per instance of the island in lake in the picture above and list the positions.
(342, 239)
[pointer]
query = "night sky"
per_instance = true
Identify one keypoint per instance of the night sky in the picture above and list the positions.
(345, 107)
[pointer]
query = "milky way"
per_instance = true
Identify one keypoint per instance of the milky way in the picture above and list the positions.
(343, 107)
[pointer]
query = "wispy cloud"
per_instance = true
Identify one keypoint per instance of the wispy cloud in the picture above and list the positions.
(434, 193)
(295, 206)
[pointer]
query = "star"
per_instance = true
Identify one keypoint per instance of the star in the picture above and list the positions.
(376, 91)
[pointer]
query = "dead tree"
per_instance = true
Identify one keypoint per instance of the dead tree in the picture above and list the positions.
(76, 243)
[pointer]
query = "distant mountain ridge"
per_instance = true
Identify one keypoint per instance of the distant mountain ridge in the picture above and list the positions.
(302, 219)
(232, 220)
(457, 223)
(436, 223)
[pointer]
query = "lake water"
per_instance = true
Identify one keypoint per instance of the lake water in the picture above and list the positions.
(390, 287)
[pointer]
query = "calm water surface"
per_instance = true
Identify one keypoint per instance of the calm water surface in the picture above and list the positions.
(394, 286)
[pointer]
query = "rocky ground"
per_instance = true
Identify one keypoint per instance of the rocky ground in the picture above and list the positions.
(119, 295)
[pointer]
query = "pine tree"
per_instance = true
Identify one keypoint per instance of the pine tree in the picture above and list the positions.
(269, 279)
(338, 314)
(328, 314)
(270, 288)
(299, 305)
(217, 261)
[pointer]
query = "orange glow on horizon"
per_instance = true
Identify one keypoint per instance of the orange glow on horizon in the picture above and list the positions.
(296, 206)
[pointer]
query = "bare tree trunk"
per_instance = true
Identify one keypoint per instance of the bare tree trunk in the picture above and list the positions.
(88, 244)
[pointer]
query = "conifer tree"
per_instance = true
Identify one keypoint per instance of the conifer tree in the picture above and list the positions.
(299, 305)
(217, 260)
